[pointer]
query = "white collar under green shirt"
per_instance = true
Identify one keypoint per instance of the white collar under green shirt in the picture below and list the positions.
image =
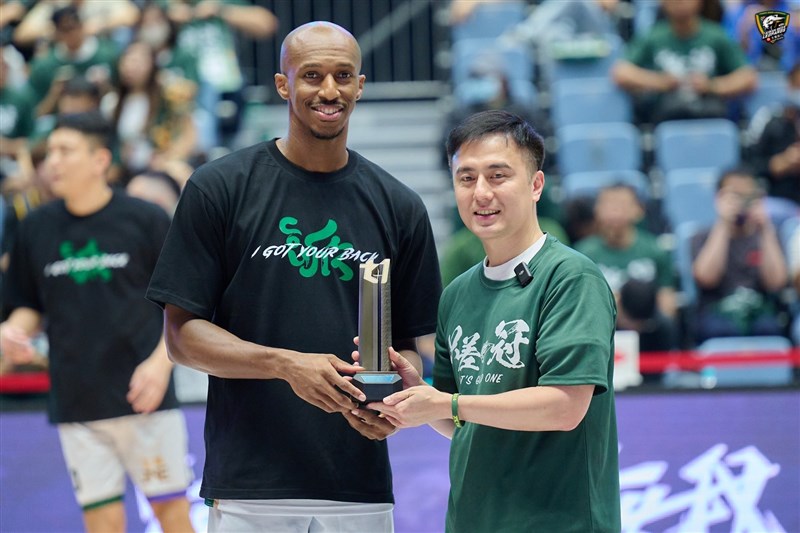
(506, 270)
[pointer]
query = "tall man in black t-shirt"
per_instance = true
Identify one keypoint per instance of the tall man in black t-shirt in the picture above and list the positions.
(83, 263)
(259, 280)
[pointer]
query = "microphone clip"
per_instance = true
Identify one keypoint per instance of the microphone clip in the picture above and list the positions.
(523, 274)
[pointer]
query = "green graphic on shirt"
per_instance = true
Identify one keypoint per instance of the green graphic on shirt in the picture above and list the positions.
(91, 250)
(317, 251)
(85, 264)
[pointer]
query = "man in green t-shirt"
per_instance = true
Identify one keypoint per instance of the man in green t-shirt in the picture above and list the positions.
(684, 67)
(73, 53)
(524, 355)
(638, 270)
(207, 30)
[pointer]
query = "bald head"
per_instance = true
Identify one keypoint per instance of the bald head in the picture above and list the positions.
(317, 35)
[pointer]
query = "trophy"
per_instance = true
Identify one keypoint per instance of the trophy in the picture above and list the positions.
(378, 380)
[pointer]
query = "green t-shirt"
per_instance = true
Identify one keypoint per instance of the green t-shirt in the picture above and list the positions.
(213, 43)
(16, 114)
(709, 51)
(497, 336)
(644, 260)
(180, 63)
(465, 249)
(97, 54)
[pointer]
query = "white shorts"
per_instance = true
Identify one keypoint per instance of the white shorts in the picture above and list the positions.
(299, 516)
(151, 448)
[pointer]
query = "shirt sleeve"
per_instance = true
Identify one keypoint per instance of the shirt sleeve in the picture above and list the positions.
(639, 53)
(417, 284)
(19, 282)
(443, 374)
(190, 270)
(574, 343)
(730, 55)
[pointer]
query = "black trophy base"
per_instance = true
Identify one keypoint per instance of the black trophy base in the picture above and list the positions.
(377, 385)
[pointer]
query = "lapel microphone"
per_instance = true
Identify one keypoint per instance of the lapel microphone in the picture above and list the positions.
(523, 274)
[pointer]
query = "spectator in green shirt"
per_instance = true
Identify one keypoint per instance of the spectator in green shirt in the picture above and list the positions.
(684, 67)
(638, 270)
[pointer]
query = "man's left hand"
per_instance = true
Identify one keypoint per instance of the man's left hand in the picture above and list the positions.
(149, 384)
(369, 424)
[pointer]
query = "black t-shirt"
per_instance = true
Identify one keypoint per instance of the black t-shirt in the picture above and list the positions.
(271, 253)
(88, 275)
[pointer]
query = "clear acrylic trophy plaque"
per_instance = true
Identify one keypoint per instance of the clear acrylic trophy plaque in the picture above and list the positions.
(378, 380)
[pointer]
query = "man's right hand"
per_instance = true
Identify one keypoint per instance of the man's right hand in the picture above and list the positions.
(317, 379)
(400, 364)
(16, 344)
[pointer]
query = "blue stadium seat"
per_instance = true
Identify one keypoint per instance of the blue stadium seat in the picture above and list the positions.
(773, 89)
(786, 231)
(696, 143)
(584, 101)
(599, 147)
(596, 64)
(490, 20)
(486, 55)
(780, 209)
(645, 14)
(589, 183)
(524, 93)
(747, 375)
(689, 196)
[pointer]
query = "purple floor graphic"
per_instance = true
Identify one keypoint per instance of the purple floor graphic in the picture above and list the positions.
(689, 461)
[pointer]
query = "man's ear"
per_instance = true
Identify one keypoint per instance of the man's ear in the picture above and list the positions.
(537, 185)
(361, 79)
(103, 158)
(282, 85)
(639, 212)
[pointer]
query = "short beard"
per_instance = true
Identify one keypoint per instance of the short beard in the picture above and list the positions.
(326, 136)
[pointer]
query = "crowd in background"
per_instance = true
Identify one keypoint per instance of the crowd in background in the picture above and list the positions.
(730, 266)
(167, 74)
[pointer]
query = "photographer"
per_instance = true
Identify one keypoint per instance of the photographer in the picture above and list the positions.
(738, 264)
(776, 148)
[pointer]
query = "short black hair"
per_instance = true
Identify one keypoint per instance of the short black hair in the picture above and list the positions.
(639, 299)
(744, 171)
(162, 177)
(80, 86)
(493, 122)
(617, 185)
(91, 123)
(68, 13)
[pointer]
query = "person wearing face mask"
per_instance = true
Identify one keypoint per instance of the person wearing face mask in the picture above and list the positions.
(777, 148)
(159, 32)
(209, 30)
(178, 67)
(488, 87)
